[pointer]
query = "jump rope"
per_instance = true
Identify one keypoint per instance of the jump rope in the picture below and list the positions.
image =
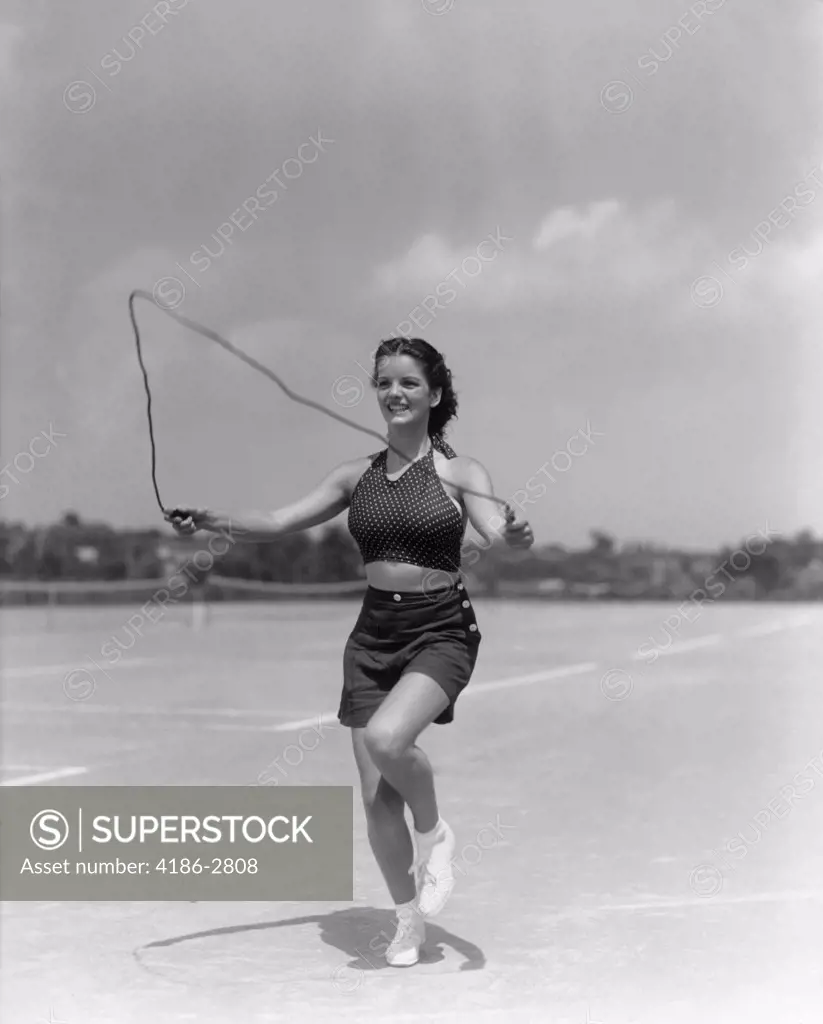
(206, 332)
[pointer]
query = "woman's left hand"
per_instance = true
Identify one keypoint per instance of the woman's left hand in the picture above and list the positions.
(517, 534)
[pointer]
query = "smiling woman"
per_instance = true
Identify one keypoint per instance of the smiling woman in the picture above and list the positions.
(415, 643)
(413, 648)
(406, 512)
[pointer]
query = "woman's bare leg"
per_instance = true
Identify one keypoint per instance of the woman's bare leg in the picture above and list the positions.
(388, 832)
(390, 737)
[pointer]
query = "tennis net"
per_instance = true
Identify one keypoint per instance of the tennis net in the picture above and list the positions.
(65, 603)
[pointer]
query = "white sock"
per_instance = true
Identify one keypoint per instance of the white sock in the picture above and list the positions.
(402, 909)
(428, 837)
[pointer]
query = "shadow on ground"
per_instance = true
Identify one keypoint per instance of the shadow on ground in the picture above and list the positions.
(362, 933)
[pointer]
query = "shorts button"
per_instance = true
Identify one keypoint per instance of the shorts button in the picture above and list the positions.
(465, 604)
(473, 628)
(397, 597)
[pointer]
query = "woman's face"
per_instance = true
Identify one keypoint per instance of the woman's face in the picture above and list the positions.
(402, 391)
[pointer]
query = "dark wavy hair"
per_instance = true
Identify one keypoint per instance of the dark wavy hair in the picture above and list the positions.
(437, 375)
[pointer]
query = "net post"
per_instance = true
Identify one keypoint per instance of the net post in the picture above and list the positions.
(199, 609)
(198, 615)
(51, 604)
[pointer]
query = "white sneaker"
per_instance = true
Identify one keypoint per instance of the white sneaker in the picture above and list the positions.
(433, 871)
(404, 950)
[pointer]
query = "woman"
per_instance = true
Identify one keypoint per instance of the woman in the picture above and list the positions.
(414, 645)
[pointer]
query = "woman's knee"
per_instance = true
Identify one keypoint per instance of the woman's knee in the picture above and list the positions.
(383, 742)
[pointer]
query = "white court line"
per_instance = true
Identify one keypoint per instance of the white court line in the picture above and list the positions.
(535, 677)
(12, 707)
(495, 684)
(804, 620)
(303, 723)
(792, 895)
(699, 641)
(503, 684)
(46, 670)
(325, 719)
(684, 645)
(37, 635)
(329, 717)
(40, 777)
(763, 629)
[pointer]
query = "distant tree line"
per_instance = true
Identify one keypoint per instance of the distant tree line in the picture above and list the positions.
(75, 550)
(772, 567)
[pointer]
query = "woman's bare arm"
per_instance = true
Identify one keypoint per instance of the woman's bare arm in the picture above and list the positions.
(328, 499)
(485, 515)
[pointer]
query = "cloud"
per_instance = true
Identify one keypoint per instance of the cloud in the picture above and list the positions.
(774, 266)
(568, 223)
(428, 260)
(603, 248)
(444, 128)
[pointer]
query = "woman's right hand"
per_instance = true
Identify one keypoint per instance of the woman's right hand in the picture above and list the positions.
(187, 520)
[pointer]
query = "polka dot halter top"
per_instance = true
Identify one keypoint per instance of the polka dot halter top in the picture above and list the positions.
(409, 519)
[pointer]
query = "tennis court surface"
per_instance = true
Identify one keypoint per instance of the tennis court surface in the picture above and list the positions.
(636, 841)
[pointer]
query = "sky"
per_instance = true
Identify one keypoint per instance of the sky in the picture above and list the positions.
(612, 213)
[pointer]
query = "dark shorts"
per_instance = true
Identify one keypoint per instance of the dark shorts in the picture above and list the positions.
(398, 632)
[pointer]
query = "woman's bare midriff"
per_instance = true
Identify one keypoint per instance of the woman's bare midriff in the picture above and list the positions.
(401, 576)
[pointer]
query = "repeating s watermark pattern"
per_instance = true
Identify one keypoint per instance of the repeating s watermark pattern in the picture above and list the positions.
(349, 977)
(707, 879)
(170, 291)
(561, 462)
(268, 777)
(437, 7)
(707, 291)
(739, 562)
(80, 96)
(437, 584)
(349, 389)
(617, 683)
(80, 683)
(618, 95)
(24, 461)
